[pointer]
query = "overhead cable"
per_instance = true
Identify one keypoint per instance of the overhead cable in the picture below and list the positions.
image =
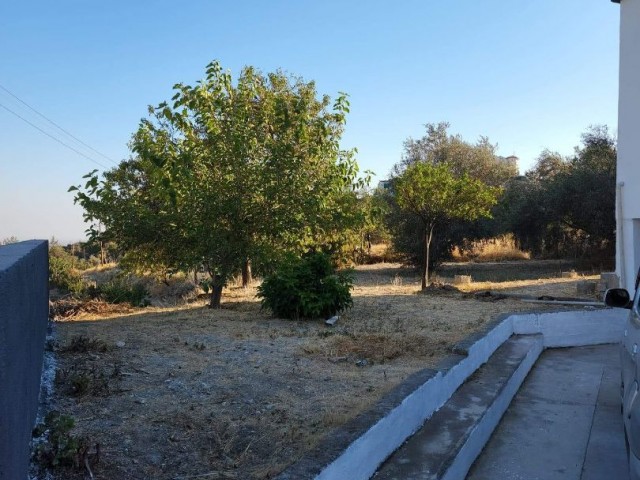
(56, 125)
(53, 137)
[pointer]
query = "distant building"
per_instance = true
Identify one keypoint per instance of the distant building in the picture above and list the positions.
(384, 184)
(511, 160)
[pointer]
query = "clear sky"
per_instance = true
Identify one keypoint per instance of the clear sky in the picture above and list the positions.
(529, 74)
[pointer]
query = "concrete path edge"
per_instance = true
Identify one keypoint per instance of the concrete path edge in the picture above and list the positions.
(483, 430)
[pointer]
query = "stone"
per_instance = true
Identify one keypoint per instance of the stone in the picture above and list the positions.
(332, 321)
(586, 287)
(609, 280)
(569, 274)
(461, 279)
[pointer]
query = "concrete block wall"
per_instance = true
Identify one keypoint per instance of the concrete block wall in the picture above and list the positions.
(24, 311)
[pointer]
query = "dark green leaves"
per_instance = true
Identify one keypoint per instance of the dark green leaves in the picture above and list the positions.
(230, 170)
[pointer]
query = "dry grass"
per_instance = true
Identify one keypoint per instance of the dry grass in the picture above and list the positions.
(375, 347)
(100, 268)
(558, 287)
(498, 249)
(239, 393)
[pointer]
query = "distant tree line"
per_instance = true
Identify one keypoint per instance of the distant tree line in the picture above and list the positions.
(562, 207)
(565, 206)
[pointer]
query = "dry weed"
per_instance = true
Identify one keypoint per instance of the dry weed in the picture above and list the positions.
(67, 308)
(82, 344)
(497, 249)
(376, 347)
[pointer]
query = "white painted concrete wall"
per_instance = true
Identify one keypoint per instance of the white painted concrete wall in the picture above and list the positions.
(628, 197)
(561, 329)
(363, 457)
(573, 329)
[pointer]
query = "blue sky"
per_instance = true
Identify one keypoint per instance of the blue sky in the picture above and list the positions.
(530, 74)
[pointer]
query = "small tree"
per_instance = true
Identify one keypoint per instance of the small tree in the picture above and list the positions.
(435, 195)
(478, 160)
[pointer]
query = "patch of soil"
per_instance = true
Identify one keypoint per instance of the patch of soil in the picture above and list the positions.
(190, 392)
(507, 271)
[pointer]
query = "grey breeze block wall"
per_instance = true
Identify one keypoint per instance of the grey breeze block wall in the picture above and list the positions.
(24, 310)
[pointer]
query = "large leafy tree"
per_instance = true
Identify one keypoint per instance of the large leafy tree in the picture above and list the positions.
(478, 160)
(435, 195)
(226, 172)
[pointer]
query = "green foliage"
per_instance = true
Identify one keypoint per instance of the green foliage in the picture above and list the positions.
(226, 172)
(565, 207)
(57, 446)
(205, 284)
(474, 161)
(62, 274)
(435, 195)
(368, 209)
(477, 160)
(306, 288)
(123, 290)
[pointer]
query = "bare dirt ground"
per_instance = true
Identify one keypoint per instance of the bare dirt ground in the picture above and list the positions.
(234, 393)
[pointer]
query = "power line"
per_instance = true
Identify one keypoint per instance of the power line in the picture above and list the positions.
(52, 137)
(56, 125)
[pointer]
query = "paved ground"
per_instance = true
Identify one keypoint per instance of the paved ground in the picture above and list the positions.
(564, 423)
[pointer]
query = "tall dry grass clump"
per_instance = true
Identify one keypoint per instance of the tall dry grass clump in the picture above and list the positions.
(499, 249)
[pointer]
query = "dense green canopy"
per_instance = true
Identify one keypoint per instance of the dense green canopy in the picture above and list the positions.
(226, 172)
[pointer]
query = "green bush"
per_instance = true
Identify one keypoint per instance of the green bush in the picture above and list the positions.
(306, 288)
(121, 290)
(63, 276)
(57, 446)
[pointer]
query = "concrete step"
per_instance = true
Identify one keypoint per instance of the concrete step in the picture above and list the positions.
(449, 442)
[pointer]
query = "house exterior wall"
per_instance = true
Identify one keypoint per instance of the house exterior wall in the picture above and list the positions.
(628, 181)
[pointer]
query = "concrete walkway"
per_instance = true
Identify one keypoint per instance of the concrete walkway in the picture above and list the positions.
(564, 423)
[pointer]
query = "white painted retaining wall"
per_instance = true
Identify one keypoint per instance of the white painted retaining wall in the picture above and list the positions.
(481, 434)
(562, 329)
(573, 329)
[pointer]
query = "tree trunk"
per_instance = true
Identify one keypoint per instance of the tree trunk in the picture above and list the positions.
(216, 291)
(246, 273)
(428, 235)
